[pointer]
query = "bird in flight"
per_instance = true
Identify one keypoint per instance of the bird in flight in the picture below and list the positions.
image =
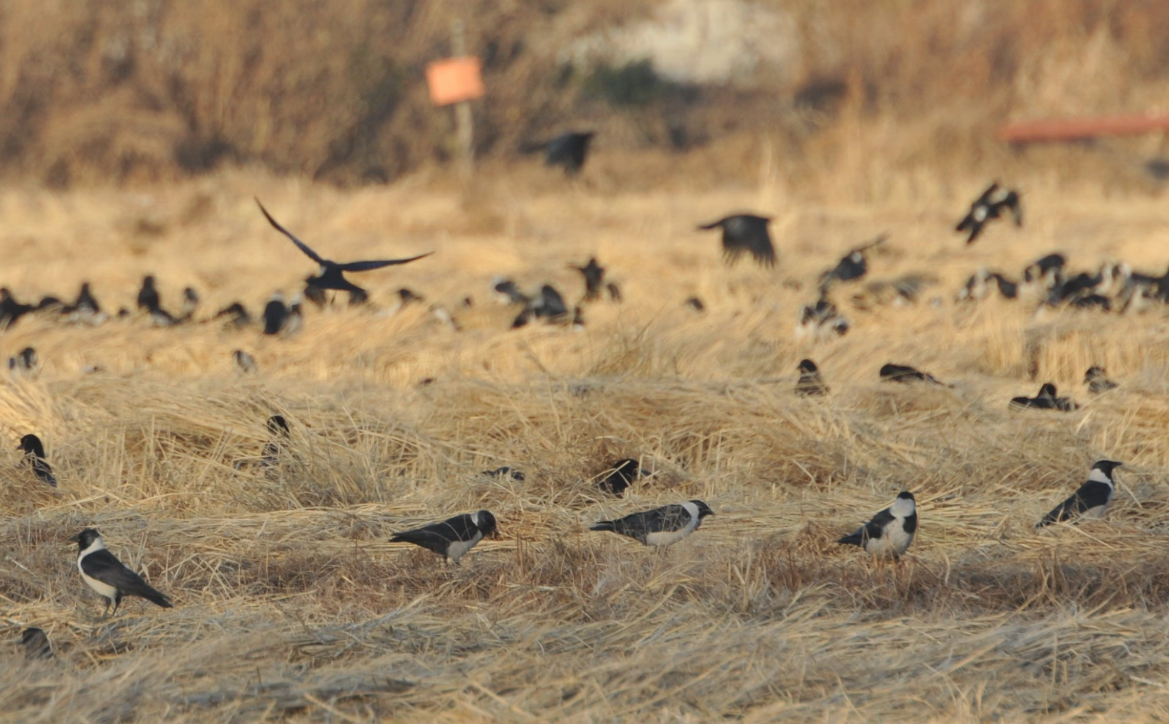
(568, 150)
(745, 233)
(987, 207)
(332, 273)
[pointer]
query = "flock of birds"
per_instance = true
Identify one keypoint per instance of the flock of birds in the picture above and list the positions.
(888, 534)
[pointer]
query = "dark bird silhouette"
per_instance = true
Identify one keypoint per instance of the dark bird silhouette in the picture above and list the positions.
(661, 526)
(85, 309)
(275, 314)
(332, 273)
(547, 305)
(987, 207)
(148, 299)
(890, 531)
(25, 362)
(810, 382)
(1097, 381)
(696, 304)
(407, 297)
(106, 575)
(505, 472)
(452, 538)
(1047, 399)
(508, 292)
(244, 362)
(36, 644)
(852, 266)
(619, 476)
(1090, 500)
(904, 373)
(568, 150)
(745, 233)
(34, 457)
(978, 286)
(236, 314)
(279, 438)
(821, 319)
(11, 309)
(594, 276)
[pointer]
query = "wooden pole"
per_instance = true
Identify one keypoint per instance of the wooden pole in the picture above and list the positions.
(464, 130)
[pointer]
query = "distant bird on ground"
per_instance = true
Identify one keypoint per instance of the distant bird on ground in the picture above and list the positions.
(810, 383)
(34, 457)
(1092, 498)
(619, 476)
(745, 233)
(853, 265)
(904, 373)
(244, 362)
(275, 314)
(890, 531)
(236, 314)
(332, 273)
(821, 320)
(1097, 381)
(507, 292)
(148, 299)
(85, 309)
(106, 575)
(10, 309)
(25, 363)
(190, 304)
(696, 304)
(406, 297)
(614, 292)
(36, 644)
(452, 538)
(568, 150)
(504, 472)
(1047, 399)
(978, 286)
(661, 526)
(279, 437)
(594, 276)
(987, 207)
(548, 305)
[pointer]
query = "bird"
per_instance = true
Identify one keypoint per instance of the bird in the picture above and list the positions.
(619, 476)
(661, 526)
(745, 233)
(890, 531)
(1097, 380)
(244, 362)
(407, 296)
(987, 207)
(568, 150)
(25, 362)
(275, 314)
(504, 472)
(148, 299)
(594, 276)
(10, 309)
(294, 322)
(452, 538)
(1047, 399)
(614, 292)
(1092, 498)
(904, 373)
(36, 644)
(332, 273)
(34, 457)
(821, 319)
(237, 316)
(508, 292)
(810, 382)
(106, 575)
(85, 309)
(279, 436)
(696, 304)
(547, 305)
(853, 265)
(190, 304)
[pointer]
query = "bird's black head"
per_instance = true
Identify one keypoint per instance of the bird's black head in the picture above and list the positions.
(486, 524)
(703, 509)
(277, 425)
(148, 281)
(1093, 373)
(1047, 390)
(190, 294)
(905, 495)
(1106, 466)
(31, 444)
(84, 288)
(86, 538)
(807, 366)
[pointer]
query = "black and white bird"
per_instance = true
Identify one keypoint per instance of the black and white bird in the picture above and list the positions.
(904, 373)
(34, 457)
(508, 292)
(236, 316)
(810, 384)
(568, 150)
(594, 277)
(452, 538)
(853, 265)
(279, 437)
(25, 363)
(190, 304)
(987, 207)
(505, 472)
(244, 362)
(745, 233)
(1047, 399)
(105, 574)
(1091, 500)
(36, 644)
(619, 476)
(661, 526)
(890, 531)
(1097, 381)
(331, 275)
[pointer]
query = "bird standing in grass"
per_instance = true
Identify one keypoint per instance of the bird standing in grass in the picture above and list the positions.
(810, 383)
(1092, 498)
(34, 456)
(890, 531)
(1097, 381)
(594, 276)
(1047, 399)
(452, 538)
(745, 233)
(661, 526)
(904, 374)
(619, 476)
(105, 574)
(279, 436)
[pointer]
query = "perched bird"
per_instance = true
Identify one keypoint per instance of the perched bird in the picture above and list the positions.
(279, 437)
(852, 266)
(36, 644)
(332, 273)
(619, 476)
(745, 233)
(989, 206)
(594, 276)
(452, 538)
(504, 472)
(978, 286)
(810, 382)
(34, 457)
(275, 314)
(1097, 381)
(1047, 399)
(1091, 500)
(26, 362)
(148, 299)
(890, 531)
(568, 150)
(244, 362)
(661, 526)
(236, 314)
(904, 373)
(105, 574)
(549, 304)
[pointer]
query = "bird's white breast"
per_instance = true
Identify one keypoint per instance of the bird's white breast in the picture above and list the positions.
(104, 589)
(894, 541)
(459, 548)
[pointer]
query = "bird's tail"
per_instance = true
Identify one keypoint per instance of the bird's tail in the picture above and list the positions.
(155, 597)
(604, 525)
(853, 539)
(711, 225)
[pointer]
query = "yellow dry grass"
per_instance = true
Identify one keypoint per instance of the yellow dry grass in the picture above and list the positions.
(291, 605)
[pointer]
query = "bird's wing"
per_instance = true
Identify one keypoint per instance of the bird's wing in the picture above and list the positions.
(1089, 495)
(985, 197)
(103, 566)
(300, 244)
(875, 528)
(360, 266)
(749, 234)
(663, 519)
(711, 225)
(461, 527)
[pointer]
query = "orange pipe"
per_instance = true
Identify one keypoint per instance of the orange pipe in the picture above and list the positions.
(1078, 129)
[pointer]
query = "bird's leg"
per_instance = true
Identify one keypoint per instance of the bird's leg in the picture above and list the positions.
(106, 612)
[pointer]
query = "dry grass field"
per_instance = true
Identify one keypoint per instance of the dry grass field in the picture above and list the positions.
(292, 606)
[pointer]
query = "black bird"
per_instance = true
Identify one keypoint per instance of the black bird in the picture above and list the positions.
(279, 437)
(25, 362)
(236, 314)
(619, 476)
(10, 309)
(452, 538)
(989, 206)
(1091, 500)
(408, 296)
(36, 644)
(978, 285)
(332, 273)
(549, 305)
(745, 233)
(821, 318)
(890, 531)
(275, 314)
(508, 292)
(86, 308)
(904, 373)
(505, 472)
(853, 265)
(568, 150)
(1047, 399)
(696, 304)
(594, 275)
(105, 574)
(661, 526)
(148, 298)
(810, 382)
(34, 457)
(244, 362)
(1097, 381)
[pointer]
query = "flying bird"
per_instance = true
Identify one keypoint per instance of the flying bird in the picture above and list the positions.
(853, 265)
(568, 150)
(594, 276)
(890, 531)
(745, 233)
(105, 574)
(619, 476)
(810, 383)
(661, 526)
(332, 273)
(987, 207)
(34, 457)
(452, 538)
(1047, 399)
(1092, 498)
(904, 373)
(1097, 381)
